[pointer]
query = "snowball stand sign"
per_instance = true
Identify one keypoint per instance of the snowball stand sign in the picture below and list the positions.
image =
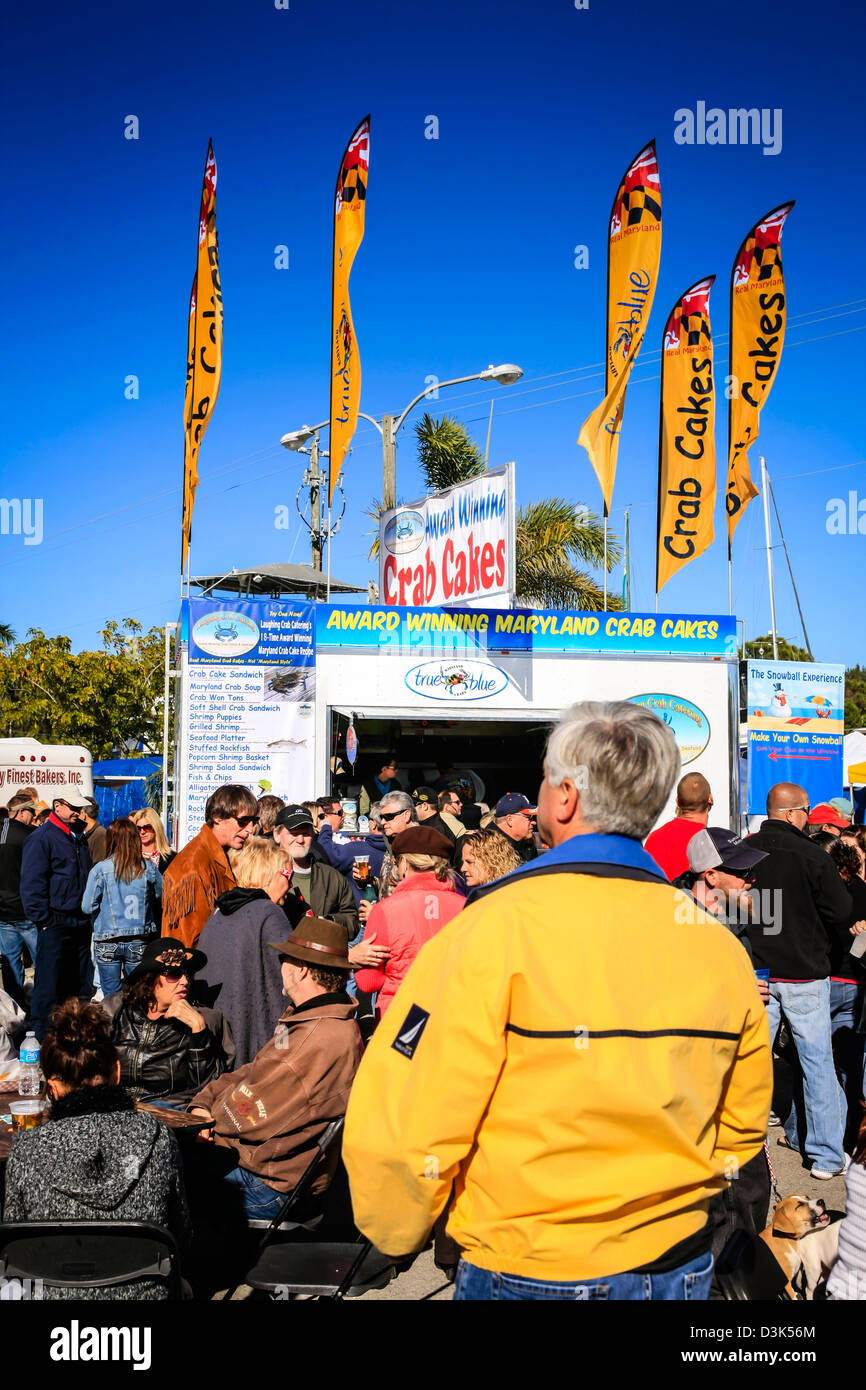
(455, 546)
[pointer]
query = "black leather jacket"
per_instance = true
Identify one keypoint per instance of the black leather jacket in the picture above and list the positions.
(161, 1059)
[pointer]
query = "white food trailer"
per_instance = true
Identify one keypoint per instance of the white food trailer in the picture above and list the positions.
(268, 689)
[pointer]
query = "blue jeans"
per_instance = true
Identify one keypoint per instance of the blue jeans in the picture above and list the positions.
(12, 936)
(848, 1055)
(690, 1281)
(117, 959)
(261, 1202)
(805, 1005)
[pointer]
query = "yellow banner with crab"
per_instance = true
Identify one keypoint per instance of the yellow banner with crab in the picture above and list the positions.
(634, 251)
(349, 207)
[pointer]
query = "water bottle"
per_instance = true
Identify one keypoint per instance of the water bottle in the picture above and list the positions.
(29, 1076)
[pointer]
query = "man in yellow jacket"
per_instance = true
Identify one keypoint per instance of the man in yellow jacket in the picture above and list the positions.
(584, 1068)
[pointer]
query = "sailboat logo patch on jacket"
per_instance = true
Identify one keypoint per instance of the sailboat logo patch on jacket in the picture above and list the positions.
(409, 1034)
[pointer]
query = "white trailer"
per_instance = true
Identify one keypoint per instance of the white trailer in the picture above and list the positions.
(269, 690)
(25, 762)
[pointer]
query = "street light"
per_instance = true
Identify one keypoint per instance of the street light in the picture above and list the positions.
(506, 374)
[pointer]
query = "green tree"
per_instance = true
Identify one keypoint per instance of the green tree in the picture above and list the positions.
(7, 636)
(855, 698)
(99, 699)
(761, 649)
(552, 536)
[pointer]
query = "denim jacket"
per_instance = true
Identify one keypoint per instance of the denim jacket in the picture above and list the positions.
(123, 909)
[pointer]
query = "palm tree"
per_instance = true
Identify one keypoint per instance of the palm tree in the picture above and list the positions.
(551, 534)
(7, 635)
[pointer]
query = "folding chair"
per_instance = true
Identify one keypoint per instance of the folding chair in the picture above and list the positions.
(100, 1255)
(322, 1269)
(330, 1134)
(748, 1271)
(333, 1270)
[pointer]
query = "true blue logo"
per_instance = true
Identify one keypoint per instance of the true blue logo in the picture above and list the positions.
(410, 1031)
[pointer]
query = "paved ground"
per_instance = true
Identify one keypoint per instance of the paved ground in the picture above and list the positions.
(791, 1176)
(422, 1282)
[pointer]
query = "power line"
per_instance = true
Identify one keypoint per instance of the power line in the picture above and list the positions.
(593, 370)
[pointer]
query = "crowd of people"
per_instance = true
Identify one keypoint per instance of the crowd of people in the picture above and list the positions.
(558, 1027)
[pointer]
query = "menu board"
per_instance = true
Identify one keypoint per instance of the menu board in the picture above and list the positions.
(248, 702)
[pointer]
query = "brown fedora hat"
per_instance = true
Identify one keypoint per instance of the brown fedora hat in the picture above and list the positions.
(316, 941)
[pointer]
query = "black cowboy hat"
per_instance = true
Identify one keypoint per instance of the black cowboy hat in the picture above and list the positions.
(166, 953)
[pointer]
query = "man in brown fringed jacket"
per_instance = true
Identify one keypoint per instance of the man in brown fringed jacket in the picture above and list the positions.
(196, 877)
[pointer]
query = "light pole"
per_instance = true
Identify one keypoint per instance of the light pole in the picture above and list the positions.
(505, 375)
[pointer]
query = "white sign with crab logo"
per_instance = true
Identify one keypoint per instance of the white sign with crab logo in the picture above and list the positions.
(227, 633)
(456, 680)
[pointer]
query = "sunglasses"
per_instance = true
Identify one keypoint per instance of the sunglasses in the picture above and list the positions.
(175, 973)
(244, 821)
(392, 815)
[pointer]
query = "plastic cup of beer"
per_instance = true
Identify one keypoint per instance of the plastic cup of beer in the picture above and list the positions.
(26, 1114)
(362, 868)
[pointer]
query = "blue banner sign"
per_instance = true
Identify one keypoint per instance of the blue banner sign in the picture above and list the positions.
(260, 632)
(406, 630)
(796, 722)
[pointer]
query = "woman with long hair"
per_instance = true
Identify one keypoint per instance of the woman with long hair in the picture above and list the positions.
(154, 844)
(97, 1158)
(424, 899)
(486, 856)
(123, 896)
(169, 1045)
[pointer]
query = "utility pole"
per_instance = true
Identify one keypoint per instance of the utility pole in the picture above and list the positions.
(315, 505)
(389, 464)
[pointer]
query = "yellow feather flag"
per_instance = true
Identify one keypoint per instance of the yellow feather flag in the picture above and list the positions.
(687, 449)
(633, 254)
(204, 346)
(758, 316)
(350, 204)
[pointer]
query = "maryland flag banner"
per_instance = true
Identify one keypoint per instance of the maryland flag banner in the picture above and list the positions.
(634, 250)
(349, 207)
(758, 315)
(204, 345)
(687, 451)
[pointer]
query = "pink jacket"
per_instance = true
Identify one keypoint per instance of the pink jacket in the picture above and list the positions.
(414, 912)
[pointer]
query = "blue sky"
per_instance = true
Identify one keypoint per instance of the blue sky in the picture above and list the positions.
(468, 259)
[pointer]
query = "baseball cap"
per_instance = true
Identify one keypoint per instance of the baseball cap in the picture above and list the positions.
(827, 814)
(715, 848)
(426, 795)
(842, 805)
(511, 803)
(71, 795)
(293, 817)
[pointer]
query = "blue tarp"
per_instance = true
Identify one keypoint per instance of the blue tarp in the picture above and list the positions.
(120, 799)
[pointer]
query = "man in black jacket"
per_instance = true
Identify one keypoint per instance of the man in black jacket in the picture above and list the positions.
(54, 869)
(802, 905)
(15, 928)
(513, 818)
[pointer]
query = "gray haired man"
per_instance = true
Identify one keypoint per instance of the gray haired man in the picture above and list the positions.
(584, 1071)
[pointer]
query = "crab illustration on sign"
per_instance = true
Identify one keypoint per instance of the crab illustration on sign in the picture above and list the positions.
(225, 634)
(404, 532)
(688, 724)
